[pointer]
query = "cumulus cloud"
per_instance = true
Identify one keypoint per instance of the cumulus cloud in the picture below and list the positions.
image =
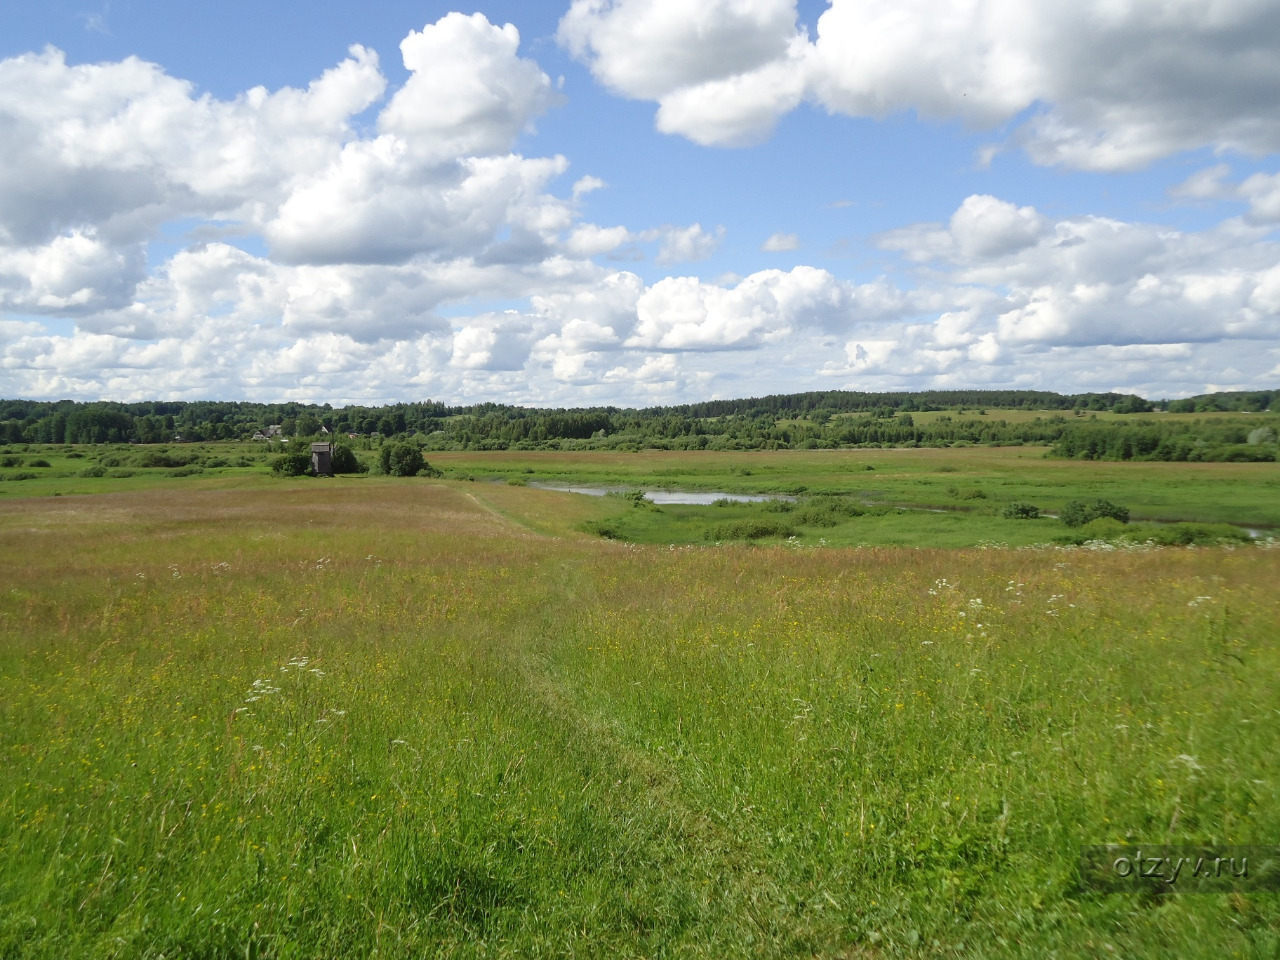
(1094, 280)
(688, 244)
(382, 229)
(468, 92)
(1108, 87)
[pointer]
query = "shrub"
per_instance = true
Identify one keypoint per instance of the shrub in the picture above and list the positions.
(1262, 435)
(604, 528)
(156, 458)
(122, 474)
(346, 461)
(748, 530)
(400, 460)
(24, 475)
(75, 455)
(1077, 513)
(191, 471)
(10, 461)
(1102, 528)
(292, 465)
(38, 463)
(1021, 511)
(1187, 534)
(96, 471)
(826, 512)
(634, 497)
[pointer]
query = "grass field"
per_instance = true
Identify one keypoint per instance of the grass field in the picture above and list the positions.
(242, 716)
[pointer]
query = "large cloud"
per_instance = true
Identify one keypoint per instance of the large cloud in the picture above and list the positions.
(1108, 86)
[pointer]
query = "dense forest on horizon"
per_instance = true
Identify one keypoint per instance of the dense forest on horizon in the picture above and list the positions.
(811, 420)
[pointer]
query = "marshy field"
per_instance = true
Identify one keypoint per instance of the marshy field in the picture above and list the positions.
(465, 716)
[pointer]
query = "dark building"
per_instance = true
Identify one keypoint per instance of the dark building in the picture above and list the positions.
(322, 459)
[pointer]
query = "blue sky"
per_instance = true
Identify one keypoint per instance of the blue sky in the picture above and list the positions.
(636, 201)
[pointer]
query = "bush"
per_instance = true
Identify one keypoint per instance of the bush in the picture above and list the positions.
(1079, 512)
(155, 458)
(826, 512)
(38, 463)
(1187, 534)
(400, 460)
(748, 530)
(25, 476)
(187, 471)
(634, 497)
(346, 461)
(292, 465)
(98, 471)
(10, 461)
(1021, 511)
(604, 528)
(1102, 528)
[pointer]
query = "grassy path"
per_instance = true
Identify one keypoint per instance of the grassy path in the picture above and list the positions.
(428, 719)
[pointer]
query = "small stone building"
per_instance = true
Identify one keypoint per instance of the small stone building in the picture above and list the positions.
(322, 459)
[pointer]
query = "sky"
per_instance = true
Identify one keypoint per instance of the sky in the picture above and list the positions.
(636, 202)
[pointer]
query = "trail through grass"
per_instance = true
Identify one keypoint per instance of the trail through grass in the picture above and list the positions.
(327, 719)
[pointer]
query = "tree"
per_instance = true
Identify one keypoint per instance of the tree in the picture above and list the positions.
(345, 460)
(400, 459)
(292, 465)
(1079, 512)
(306, 425)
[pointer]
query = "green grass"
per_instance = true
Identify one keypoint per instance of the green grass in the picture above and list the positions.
(414, 718)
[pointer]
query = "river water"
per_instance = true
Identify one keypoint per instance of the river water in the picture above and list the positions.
(697, 498)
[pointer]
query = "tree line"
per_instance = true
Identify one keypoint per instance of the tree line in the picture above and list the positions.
(811, 420)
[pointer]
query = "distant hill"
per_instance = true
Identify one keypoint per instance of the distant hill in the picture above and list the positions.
(817, 419)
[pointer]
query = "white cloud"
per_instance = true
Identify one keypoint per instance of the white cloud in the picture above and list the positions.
(688, 244)
(381, 233)
(779, 242)
(589, 240)
(1262, 190)
(494, 342)
(468, 93)
(584, 185)
(1109, 86)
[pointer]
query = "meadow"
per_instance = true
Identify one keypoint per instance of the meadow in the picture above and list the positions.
(243, 716)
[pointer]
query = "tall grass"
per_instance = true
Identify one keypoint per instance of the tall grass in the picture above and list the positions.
(410, 720)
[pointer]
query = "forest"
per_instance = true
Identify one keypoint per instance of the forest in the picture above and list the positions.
(1070, 423)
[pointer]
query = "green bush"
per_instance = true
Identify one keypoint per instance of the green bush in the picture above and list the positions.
(96, 471)
(156, 458)
(748, 530)
(191, 471)
(346, 461)
(1021, 511)
(604, 528)
(292, 465)
(25, 475)
(634, 497)
(38, 463)
(400, 460)
(1076, 513)
(826, 512)
(10, 461)
(1102, 528)
(1186, 534)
